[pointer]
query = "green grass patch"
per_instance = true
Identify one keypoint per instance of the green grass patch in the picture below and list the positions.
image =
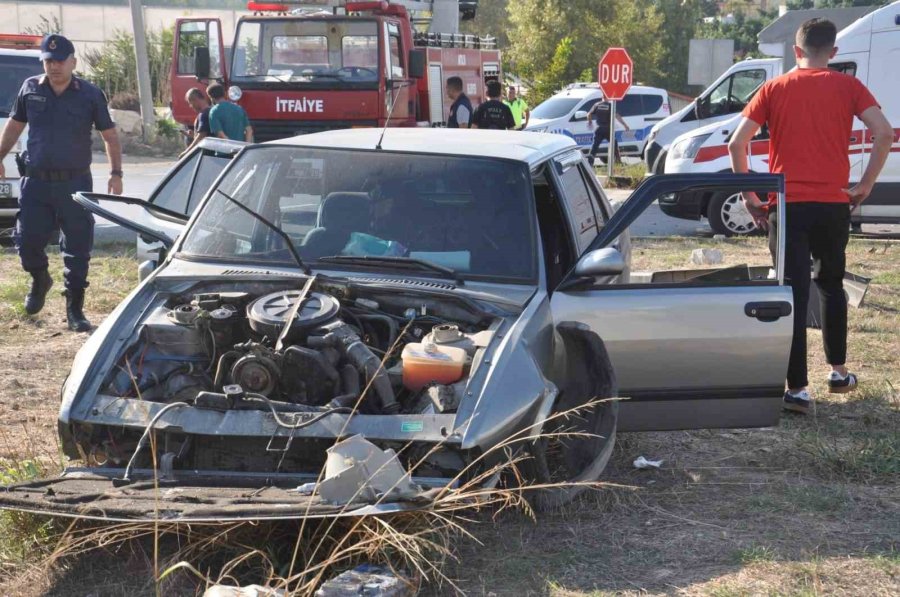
(871, 456)
(23, 536)
(756, 554)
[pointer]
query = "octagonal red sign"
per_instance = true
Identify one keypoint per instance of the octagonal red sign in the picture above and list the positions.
(615, 73)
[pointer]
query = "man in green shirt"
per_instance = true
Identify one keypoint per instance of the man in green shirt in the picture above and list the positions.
(519, 108)
(227, 120)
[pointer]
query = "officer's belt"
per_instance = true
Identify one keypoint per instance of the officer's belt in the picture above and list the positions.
(55, 175)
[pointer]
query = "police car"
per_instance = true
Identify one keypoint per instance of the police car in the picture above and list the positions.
(19, 59)
(566, 113)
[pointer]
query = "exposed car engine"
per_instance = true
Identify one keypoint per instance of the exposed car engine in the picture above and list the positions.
(383, 356)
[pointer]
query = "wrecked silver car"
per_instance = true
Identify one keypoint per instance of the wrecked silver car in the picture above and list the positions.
(438, 293)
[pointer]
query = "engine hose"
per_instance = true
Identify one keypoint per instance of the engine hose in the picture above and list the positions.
(341, 336)
(221, 369)
(147, 430)
(308, 353)
(282, 423)
(392, 327)
(370, 366)
(350, 380)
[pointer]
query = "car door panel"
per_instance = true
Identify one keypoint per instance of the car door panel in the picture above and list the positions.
(702, 353)
(693, 346)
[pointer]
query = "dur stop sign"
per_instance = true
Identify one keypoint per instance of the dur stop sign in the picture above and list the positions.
(615, 73)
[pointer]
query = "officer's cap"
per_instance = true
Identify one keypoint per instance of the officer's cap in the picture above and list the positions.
(56, 47)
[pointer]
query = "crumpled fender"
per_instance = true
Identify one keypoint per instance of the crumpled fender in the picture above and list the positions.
(515, 392)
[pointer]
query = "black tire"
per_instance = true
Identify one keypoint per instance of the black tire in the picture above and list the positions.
(659, 166)
(572, 462)
(727, 215)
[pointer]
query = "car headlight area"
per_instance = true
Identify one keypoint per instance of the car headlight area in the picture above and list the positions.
(687, 149)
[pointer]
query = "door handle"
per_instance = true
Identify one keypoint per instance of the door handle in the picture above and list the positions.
(768, 310)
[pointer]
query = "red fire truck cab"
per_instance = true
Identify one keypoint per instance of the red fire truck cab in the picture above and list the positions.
(298, 72)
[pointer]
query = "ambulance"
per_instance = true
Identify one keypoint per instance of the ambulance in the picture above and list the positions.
(869, 49)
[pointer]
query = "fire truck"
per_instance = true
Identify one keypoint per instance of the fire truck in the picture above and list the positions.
(311, 66)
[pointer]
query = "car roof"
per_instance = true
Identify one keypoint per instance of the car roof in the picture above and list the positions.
(521, 146)
(221, 145)
(587, 90)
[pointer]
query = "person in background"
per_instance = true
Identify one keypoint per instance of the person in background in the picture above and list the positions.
(519, 108)
(461, 108)
(809, 112)
(494, 114)
(226, 119)
(200, 104)
(60, 110)
(600, 116)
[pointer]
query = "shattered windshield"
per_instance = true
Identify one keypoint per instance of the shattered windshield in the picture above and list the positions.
(343, 209)
(306, 50)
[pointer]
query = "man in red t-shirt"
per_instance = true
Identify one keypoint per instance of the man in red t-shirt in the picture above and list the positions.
(809, 112)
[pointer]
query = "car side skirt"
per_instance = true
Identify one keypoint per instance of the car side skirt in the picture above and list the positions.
(662, 410)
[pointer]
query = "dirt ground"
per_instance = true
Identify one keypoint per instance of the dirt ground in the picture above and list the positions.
(811, 507)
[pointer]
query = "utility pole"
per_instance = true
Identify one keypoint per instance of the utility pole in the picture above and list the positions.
(145, 92)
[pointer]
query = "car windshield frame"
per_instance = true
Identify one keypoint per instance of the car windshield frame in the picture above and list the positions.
(289, 32)
(281, 257)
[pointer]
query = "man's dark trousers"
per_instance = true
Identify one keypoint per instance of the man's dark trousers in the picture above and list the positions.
(820, 230)
(602, 134)
(42, 206)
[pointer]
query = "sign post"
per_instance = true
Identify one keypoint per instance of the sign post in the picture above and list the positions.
(615, 73)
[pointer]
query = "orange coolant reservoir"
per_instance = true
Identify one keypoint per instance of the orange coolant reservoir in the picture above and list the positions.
(427, 362)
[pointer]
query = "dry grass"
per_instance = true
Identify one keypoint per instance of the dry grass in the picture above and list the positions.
(809, 508)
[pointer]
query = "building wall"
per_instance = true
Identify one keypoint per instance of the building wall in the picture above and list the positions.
(90, 25)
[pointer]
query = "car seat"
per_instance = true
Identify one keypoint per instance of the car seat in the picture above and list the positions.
(340, 214)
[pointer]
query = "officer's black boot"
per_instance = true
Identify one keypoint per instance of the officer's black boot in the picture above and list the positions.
(75, 311)
(40, 286)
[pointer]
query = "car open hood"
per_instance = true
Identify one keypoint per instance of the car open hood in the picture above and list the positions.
(95, 494)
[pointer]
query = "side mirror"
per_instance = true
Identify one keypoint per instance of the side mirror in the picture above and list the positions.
(417, 60)
(201, 62)
(602, 262)
(580, 115)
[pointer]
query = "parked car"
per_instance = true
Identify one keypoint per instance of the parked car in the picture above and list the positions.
(486, 268)
(19, 60)
(867, 50)
(566, 113)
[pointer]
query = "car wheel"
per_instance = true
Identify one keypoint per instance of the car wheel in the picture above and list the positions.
(575, 442)
(659, 166)
(727, 215)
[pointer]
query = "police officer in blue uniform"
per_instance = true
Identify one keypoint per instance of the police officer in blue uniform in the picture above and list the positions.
(60, 110)
(461, 109)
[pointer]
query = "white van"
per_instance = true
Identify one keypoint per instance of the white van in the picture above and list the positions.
(726, 96)
(869, 49)
(566, 113)
(20, 58)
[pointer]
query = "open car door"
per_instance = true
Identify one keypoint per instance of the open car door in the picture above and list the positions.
(695, 351)
(152, 222)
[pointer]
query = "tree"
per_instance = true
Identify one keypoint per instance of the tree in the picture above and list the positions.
(491, 19)
(680, 20)
(113, 68)
(552, 42)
